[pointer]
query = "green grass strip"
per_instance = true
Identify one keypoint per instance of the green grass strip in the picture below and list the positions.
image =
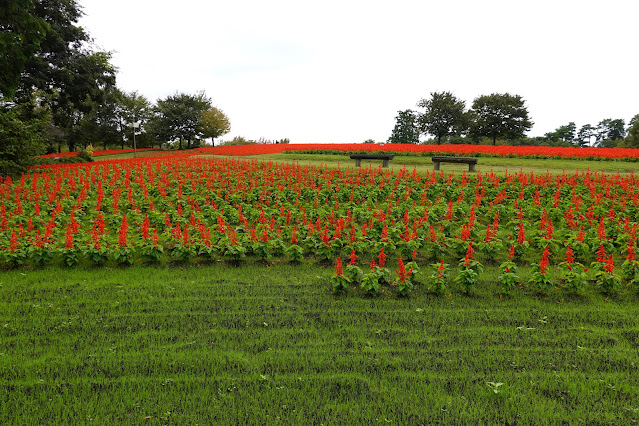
(257, 345)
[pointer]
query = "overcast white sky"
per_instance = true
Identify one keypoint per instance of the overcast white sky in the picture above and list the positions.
(337, 71)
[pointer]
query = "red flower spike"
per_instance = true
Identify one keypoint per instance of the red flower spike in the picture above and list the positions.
(570, 258)
(601, 254)
(401, 270)
(610, 265)
(353, 258)
(631, 251)
(338, 267)
(543, 265)
(470, 253)
(381, 259)
(122, 234)
(13, 242)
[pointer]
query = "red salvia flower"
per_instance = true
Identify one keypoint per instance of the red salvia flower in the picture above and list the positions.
(570, 258)
(470, 253)
(353, 258)
(68, 243)
(601, 254)
(385, 232)
(521, 236)
(401, 270)
(602, 229)
(122, 234)
(145, 227)
(441, 268)
(381, 259)
(511, 252)
(13, 242)
(338, 267)
(631, 251)
(543, 265)
(610, 265)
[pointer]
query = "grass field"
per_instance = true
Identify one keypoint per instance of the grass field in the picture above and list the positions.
(269, 343)
(484, 164)
(272, 345)
(425, 164)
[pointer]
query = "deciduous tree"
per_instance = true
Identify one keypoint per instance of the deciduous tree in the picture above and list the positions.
(610, 130)
(405, 130)
(632, 140)
(214, 123)
(444, 115)
(585, 134)
(564, 133)
(500, 116)
(178, 117)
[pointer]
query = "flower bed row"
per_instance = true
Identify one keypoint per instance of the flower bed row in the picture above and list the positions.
(193, 208)
(95, 153)
(621, 154)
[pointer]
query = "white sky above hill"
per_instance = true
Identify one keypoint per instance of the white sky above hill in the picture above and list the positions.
(338, 71)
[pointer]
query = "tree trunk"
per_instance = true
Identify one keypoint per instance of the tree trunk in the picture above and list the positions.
(180, 143)
(494, 140)
(439, 140)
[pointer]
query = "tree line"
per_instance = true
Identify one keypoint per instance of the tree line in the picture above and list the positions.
(503, 117)
(57, 90)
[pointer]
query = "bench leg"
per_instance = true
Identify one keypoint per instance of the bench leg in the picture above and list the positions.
(471, 167)
(436, 165)
(384, 163)
(358, 163)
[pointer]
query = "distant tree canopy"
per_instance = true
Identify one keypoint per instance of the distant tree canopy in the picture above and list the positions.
(57, 90)
(178, 117)
(632, 140)
(406, 130)
(214, 123)
(563, 133)
(49, 74)
(444, 115)
(22, 34)
(500, 116)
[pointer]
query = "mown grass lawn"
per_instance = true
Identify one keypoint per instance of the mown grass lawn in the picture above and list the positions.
(218, 344)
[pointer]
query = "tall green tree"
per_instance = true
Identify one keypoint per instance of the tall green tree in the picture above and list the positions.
(405, 130)
(500, 116)
(134, 108)
(564, 133)
(21, 33)
(20, 141)
(47, 60)
(444, 115)
(214, 123)
(585, 134)
(178, 117)
(632, 138)
(609, 131)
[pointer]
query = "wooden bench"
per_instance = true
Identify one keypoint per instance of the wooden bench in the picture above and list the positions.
(471, 161)
(359, 157)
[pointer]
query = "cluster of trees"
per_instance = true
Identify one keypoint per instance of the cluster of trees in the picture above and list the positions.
(504, 117)
(608, 133)
(57, 89)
